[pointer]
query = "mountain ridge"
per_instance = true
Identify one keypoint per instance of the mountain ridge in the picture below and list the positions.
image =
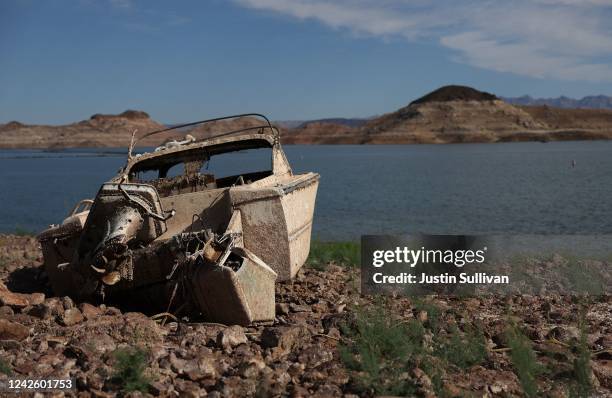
(588, 102)
(449, 114)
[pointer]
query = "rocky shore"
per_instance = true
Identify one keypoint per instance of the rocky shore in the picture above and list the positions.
(319, 345)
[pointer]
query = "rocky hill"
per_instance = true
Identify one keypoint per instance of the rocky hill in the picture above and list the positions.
(109, 131)
(450, 114)
(453, 114)
(97, 131)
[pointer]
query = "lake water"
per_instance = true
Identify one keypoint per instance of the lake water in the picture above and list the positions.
(527, 188)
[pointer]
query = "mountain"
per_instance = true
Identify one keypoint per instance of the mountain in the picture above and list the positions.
(97, 131)
(450, 114)
(589, 102)
(455, 93)
(454, 114)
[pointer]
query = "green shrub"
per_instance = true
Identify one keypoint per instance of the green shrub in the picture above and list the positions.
(435, 372)
(523, 360)
(341, 253)
(463, 349)
(582, 278)
(582, 386)
(382, 350)
(5, 367)
(20, 231)
(129, 369)
(434, 313)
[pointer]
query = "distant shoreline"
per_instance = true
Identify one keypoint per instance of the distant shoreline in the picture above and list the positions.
(99, 151)
(448, 115)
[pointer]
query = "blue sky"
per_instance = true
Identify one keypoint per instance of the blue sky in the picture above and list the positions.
(64, 60)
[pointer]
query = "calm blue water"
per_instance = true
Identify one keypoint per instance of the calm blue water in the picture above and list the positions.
(464, 188)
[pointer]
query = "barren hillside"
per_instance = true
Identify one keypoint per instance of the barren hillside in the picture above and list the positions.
(462, 114)
(323, 133)
(449, 114)
(97, 131)
(454, 114)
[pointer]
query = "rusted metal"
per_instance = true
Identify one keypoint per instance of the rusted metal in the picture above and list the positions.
(214, 244)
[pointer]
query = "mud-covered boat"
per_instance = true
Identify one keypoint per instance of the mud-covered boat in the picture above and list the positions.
(169, 233)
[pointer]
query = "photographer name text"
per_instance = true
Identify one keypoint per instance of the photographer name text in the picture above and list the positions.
(413, 257)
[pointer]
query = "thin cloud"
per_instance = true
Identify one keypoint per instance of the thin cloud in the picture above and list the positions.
(138, 17)
(122, 4)
(559, 39)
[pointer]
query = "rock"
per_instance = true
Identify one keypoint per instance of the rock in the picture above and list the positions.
(207, 367)
(19, 300)
(36, 298)
(41, 346)
(284, 337)
(423, 380)
(235, 386)
(200, 369)
(156, 388)
(282, 308)
(40, 311)
(79, 354)
(177, 365)
(90, 311)
(296, 369)
(497, 388)
(231, 337)
(67, 303)
(72, 316)
(5, 311)
(100, 343)
(565, 334)
(56, 341)
(314, 356)
(55, 306)
(13, 331)
(422, 316)
(50, 308)
(191, 370)
(112, 311)
(603, 371)
(328, 390)
(299, 308)
(249, 370)
(10, 345)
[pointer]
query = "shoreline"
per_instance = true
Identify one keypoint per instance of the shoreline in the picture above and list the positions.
(520, 138)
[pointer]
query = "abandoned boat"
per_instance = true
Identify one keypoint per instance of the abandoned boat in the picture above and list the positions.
(169, 231)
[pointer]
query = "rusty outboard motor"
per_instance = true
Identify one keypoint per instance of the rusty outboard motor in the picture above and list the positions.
(123, 217)
(112, 258)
